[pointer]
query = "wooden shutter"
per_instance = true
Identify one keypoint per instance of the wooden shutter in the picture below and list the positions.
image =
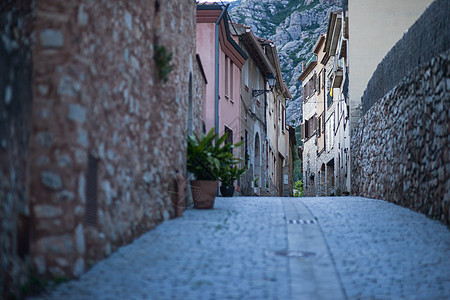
(314, 123)
(323, 122)
(314, 82)
(303, 131)
(304, 92)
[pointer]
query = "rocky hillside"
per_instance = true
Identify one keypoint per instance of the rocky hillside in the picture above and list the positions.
(294, 26)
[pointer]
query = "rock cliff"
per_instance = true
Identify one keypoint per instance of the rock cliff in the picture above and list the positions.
(294, 26)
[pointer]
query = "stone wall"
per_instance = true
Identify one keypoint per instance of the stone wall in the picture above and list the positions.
(427, 37)
(107, 135)
(15, 124)
(400, 148)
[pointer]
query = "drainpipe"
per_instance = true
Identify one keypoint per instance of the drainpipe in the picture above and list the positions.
(216, 92)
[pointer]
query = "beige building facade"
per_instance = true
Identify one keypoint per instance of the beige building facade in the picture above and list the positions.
(375, 27)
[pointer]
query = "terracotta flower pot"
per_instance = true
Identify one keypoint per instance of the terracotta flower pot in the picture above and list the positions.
(227, 190)
(204, 192)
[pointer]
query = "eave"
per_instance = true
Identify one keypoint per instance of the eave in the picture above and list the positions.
(333, 33)
(256, 52)
(210, 14)
(308, 70)
(281, 84)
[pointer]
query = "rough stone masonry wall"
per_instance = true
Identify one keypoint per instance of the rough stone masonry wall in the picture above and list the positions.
(97, 93)
(400, 147)
(15, 113)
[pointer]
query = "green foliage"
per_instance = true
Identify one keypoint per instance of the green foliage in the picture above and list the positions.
(297, 172)
(162, 59)
(37, 285)
(210, 157)
(298, 135)
(298, 187)
(230, 174)
(255, 181)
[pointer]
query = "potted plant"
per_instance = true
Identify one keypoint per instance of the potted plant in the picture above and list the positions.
(207, 156)
(229, 175)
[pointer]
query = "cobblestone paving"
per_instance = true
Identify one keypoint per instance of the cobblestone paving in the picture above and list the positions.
(383, 251)
(224, 253)
(380, 250)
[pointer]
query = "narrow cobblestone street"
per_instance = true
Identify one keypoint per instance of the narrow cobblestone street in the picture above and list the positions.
(278, 248)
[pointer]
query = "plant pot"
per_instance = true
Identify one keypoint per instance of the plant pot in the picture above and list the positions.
(227, 190)
(256, 191)
(203, 193)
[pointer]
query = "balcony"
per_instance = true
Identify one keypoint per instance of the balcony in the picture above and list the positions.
(337, 77)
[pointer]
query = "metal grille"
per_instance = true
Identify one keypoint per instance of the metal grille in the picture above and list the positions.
(303, 222)
(91, 192)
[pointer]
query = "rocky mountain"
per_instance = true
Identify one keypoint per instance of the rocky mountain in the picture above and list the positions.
(294, 26)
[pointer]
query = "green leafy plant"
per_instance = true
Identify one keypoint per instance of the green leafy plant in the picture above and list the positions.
(255, 182)
(162, 58)
(209, 156)
(298, 187)
(230, 174)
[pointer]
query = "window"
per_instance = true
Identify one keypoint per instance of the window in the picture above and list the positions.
(310, 87)
(318, 83)
(229, 139)
(246, 147)
(231, 80)
(226, 75)
(283, 118)
(309, 127)
(320, 125)
(246, 72)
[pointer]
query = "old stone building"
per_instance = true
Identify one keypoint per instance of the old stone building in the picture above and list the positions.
(97, 99)
(309, 123)
(253, 111)
(264, 131)
(278, 133)
(327, 86)
(223, 60)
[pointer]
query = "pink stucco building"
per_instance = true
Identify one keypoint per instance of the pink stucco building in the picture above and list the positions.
(222, 60)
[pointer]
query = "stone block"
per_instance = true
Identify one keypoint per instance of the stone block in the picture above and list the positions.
(60, 245)
(51, 180)
(44, 138)
(77, 113)
(83, 137)
(79, 239)
(128, 20)
(47, 211)
(65, 196)
(52, 38)
(106, 186)
(78, 268)
(68, 87)
(43, 89)
(64, 160)
(62, 262)
(82, 188)
(83, 18)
